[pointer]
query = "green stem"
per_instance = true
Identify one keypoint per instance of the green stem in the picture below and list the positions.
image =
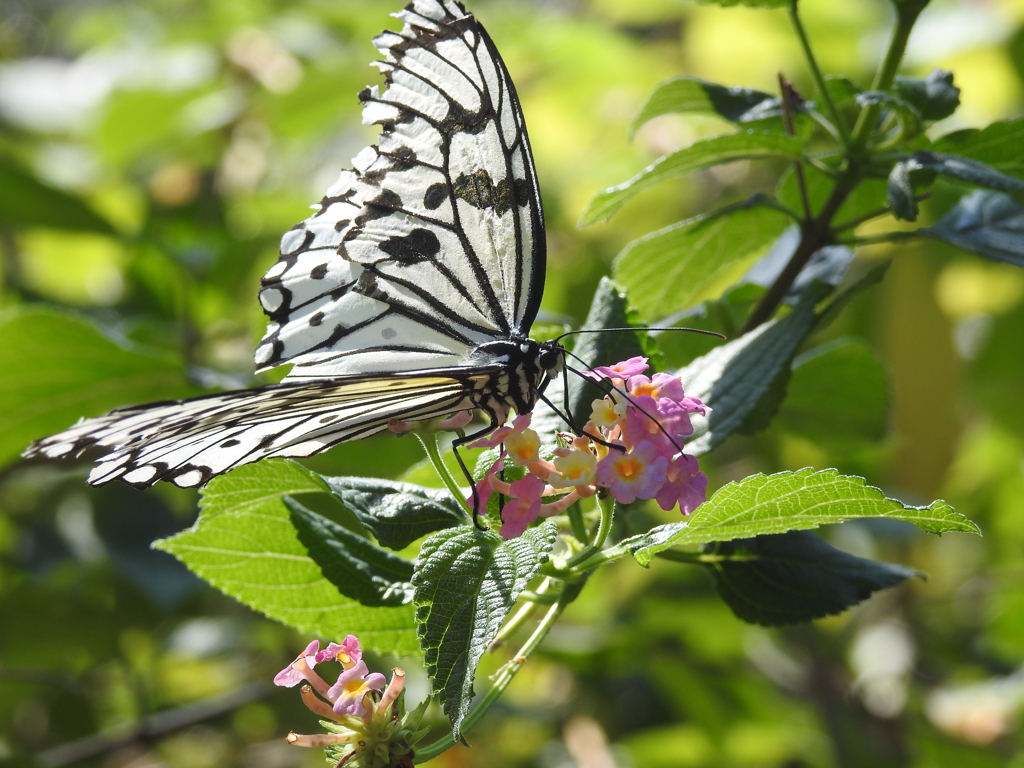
(505, 676)
(604, 526)
(579, 525)
(524, 613)
(905, 20)
(819, 79)
(429, 443)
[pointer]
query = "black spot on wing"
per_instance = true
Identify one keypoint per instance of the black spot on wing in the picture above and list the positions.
(480, 191)
(316, 319)
(434, 196)
(319, 272)
(419, 245)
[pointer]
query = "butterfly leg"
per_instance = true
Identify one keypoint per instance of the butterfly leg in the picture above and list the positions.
(456, 444)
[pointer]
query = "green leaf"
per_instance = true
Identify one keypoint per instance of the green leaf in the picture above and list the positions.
(246, 545)
(25, 201)
(357, 567)
(734, 377)
(902, 178)
(934, 97)
(790, 501)
(838, 395)
(867, 197)
(691, 94)
(987, 223)
(906, 177)
(466, 581)
(794, 577)
(746, 145)
(609, 309)
(997, 145)
(69, 369)
(666, 271)
(396, 513)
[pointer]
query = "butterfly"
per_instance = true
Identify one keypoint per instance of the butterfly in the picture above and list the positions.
(408, 294)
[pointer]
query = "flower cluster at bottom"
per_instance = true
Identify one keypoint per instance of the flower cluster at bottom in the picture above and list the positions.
(631, 446)
(363, 716)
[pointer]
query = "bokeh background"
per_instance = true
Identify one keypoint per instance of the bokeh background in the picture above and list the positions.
(151, 153)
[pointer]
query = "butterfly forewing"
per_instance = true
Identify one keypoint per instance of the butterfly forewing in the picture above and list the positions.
(439, 227)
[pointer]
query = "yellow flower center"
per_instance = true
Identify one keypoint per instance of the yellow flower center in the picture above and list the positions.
(628, 469)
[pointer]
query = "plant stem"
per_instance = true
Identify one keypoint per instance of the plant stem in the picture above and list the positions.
(798, 167)
(906, 17)
(579, 526)
(604, 526)
(504, 677)
(819, 80)
(815, 234)
(429, 443)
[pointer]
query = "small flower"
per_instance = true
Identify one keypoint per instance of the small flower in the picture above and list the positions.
(660, 422)
(685, 485)
(606, 412)
(348, 652)
(485, 487)
(632, 367)
(296, 672)
(659, 386)
(518, 514)
(638, 474)
(573, 469)
(353, 686)
(523, 447)
(497, 437)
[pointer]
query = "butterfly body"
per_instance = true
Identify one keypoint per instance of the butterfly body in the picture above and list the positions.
(407, 295)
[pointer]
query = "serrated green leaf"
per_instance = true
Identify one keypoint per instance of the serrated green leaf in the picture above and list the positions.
(691, 94)
(838, 395)
(25, 201)
(788, 501)
(997, 145)
(734, 377)
(357, 567)
(75, 371)
(397, 513)
(987, 223)
(935, 97)
(466, 581)
(666, 271)
(795, 577)
(245, 544)
(747, 145)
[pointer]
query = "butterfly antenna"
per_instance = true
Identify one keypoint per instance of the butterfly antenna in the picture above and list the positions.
(625, 394)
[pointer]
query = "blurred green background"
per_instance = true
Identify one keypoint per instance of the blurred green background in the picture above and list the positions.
(151, 154)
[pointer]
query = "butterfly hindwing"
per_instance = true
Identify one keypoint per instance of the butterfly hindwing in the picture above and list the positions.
(433, 242)
(190, 441)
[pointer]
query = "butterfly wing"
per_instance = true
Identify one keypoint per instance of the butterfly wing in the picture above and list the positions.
(433, 243)
(190, 441)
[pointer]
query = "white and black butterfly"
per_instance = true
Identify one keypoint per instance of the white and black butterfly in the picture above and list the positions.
(408, 295)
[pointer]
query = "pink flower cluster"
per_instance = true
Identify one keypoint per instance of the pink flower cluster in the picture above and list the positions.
(640, 426)
(352, 694)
